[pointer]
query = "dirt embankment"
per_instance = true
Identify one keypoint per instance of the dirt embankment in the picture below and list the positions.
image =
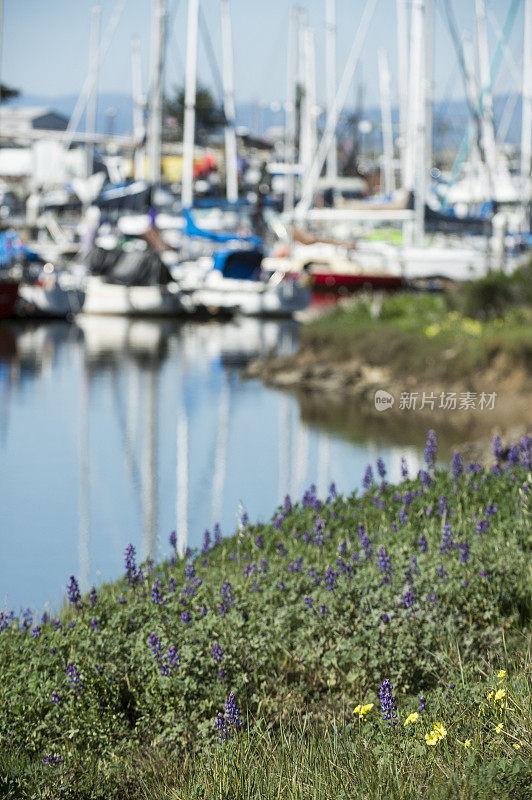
(494, 399)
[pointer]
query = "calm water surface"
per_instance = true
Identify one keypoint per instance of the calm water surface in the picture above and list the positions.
(113, 431)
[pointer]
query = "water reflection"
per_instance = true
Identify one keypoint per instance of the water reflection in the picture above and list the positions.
(115, 430)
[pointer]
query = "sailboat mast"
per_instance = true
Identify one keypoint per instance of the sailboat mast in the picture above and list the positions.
(94, 59)
(330, 24)
(156, 93)
(402, 65)
(190, 104)
(138, 108)
(488, 130)
(291, 89)
(429, 89)
(416, 118)
(231, 168)
(526, 125)
(386, 113)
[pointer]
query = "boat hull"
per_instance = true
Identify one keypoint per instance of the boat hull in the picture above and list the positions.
(8, 297)
(42, 301)
(115, 299)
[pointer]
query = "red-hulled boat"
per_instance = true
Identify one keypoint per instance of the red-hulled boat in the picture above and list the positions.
(8, 296)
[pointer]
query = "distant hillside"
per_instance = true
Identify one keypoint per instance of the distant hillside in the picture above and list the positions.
(450, 118)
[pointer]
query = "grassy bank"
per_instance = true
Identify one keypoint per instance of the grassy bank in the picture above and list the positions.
(440, 336)
(411, 602)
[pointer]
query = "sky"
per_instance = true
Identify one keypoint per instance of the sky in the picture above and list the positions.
(45, 47)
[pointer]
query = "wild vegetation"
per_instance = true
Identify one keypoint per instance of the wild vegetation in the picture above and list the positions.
(371, 646)
(441, 336)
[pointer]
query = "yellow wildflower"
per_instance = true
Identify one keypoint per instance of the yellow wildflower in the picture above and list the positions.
(517, 745)
(362, 710)
(439, 730)
(431, 739)
(467, 743)
(501, 674)
(499, 727)
(412, 718)
(500, 694)
(472, 326)
(489, 695)
(432, 330)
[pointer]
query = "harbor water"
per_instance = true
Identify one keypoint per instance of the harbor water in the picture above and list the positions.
(115, 431)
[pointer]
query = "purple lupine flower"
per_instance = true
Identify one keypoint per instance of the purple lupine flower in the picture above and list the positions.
(156, 596)
(280, 585)
(36, 632)
(74, 677)
(404, 468)
(431, 597)
(464, 552)
(513, 455)
(220, 725)
(318, 532)
(227, 599)
(297, 565)
(93, 597)
(424, 477)
(465, 584)
(132, 574)
(264, 565)
(446, 539)
(55, 698)
(333, 493)
(431, 449)
(287, 506)
(206, 543)
(172, 585)
(232, 712)
(342, 548)
(482, 527)
(121, 600)
(457, 466)
(308, 601)
(306, 537)
(277, 522)
(497, 448)
(185, 617)
(309, 498)
(409, 597)
(94, 624)
(491, 510)
(173, 540)
(385, 618)
(421, 704)
(414, 566)
(368, 477)
(155, 644)
(323, 610)
(442, 572)
(281, 549)
(381, 468)
(52, 760)
(73, 593)
(190, 572)
(217, 534)
(422, 543)
(314, 575)
(384, 565)
(388, 706)
(259, 541)
(403, 516)
(44, 618)
(217, 652)
(330, 579)
(483, 573)
(443, 505)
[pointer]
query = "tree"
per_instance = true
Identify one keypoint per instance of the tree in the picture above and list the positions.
(7, 92)
(209, 116)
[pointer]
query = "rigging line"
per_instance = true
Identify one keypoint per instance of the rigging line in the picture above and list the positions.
(102, 52)
(211, 56)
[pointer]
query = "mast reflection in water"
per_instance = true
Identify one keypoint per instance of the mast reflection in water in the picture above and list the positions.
(115, 431)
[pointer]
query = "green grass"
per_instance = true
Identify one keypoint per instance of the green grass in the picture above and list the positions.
(421, 334)
(128, 731)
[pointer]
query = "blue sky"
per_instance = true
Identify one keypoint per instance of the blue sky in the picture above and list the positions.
(46, 45)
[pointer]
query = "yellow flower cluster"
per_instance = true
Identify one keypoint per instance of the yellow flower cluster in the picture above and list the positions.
(436, 734)
(412, 718)
(363, 710)
(453, 322)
